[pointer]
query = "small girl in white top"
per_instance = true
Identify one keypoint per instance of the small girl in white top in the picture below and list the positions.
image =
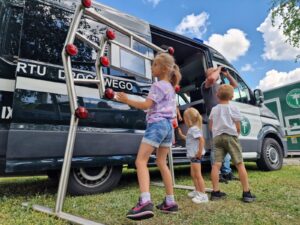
(195, 150)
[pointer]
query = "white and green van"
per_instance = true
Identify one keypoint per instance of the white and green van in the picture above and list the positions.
(284, 102)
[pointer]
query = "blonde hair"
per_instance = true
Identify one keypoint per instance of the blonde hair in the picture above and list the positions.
(225, 92)
(192, 118)
(168, 62)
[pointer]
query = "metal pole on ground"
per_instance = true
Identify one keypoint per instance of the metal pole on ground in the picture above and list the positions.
(171, 166)
(64, 177)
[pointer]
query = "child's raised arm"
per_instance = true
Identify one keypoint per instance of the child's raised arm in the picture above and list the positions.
(122, 97)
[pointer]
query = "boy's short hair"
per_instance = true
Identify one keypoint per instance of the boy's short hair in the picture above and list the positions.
(225, 92)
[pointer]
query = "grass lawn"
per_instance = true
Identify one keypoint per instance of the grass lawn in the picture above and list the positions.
(278, 201)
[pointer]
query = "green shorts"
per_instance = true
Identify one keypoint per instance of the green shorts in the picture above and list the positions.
(224, 144)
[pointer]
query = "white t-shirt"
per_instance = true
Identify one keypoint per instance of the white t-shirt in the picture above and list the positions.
(192, 141)
(224, 117)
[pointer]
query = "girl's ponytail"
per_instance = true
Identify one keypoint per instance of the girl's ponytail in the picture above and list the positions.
(175, 75)
(199, 120)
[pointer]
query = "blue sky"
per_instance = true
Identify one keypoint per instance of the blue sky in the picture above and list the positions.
(240, 29)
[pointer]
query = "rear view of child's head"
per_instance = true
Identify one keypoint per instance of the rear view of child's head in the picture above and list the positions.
(225, 92)
(166, 66)
(192, 117)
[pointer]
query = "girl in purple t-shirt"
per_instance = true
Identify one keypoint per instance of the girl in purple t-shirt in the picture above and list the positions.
(161, 106)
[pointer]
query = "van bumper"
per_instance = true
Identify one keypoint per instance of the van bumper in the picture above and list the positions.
(285, 148)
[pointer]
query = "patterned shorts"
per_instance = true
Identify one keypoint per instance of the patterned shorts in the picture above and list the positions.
(224, 144)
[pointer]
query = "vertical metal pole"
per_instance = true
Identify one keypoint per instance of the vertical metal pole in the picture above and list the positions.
(98, 66)
(171, 166)
(65, 172)
(131, 42)
(63, 182)
(74, 24)
(64, 177)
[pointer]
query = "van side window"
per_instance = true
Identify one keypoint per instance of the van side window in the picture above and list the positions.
(245, 96)
(54, 21)
(10, 26)
(36, 107)
(130, 62)
(182, 99)
(137, 46)
(125, 40)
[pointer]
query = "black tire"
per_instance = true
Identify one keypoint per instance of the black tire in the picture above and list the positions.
(271, 157)
(93, 180)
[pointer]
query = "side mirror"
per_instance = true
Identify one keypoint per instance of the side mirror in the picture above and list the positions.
(259, 96)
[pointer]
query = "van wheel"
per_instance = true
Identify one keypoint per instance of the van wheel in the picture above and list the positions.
(93, 180)
(271, 156)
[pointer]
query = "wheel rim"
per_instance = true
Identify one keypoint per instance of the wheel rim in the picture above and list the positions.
(272, 154)
(92, 177)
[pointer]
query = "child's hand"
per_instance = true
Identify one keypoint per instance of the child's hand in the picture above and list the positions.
(225, 72)
(181, 135)
(121, 97)
(179, 117)
(198, 155)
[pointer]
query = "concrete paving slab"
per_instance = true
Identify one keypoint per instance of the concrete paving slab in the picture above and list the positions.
(291, 161)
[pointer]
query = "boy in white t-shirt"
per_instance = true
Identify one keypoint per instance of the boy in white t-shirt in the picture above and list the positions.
(224, 121)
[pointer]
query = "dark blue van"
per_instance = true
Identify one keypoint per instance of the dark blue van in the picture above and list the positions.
(35, 111)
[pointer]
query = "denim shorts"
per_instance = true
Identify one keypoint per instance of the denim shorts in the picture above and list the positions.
(159, 134)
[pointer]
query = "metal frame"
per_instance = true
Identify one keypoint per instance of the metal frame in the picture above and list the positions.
(70, 81)
(171, 165)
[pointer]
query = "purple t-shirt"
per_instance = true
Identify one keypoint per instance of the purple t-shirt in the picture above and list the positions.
(162, 93)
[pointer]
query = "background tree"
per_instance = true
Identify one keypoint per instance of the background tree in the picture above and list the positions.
(289, 11)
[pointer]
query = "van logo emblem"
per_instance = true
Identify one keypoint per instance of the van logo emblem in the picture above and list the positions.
(245, 127)
(293, 98)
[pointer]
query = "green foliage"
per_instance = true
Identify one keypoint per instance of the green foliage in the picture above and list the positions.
(278, 197)
(289, 11)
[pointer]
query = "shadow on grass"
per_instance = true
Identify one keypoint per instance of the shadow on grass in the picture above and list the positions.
(33, 186)
(29, 187)
(129, 176)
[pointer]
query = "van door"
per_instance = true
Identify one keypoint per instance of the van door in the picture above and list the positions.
(11, 14)
(251, 123)
(41, 113)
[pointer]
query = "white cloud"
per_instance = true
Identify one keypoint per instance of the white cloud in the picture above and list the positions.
(232, 45)
(153, 2)
(275, 78)
(193, 25)
(247, 67)
(275, 46)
